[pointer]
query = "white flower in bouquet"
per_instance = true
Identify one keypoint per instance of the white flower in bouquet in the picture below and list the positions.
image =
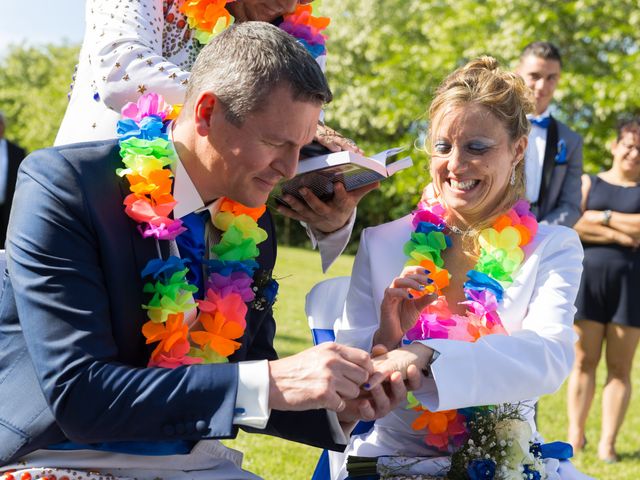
(515, 435)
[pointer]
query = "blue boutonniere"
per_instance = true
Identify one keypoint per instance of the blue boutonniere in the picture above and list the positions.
(561, 156)
(265, 288)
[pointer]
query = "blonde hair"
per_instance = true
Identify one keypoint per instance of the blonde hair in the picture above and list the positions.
(483, 82)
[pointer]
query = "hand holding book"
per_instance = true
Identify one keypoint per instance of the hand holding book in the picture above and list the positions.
(321, 173)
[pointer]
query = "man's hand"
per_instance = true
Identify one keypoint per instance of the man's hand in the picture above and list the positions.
(379, 400)
(325, 217)
(319, 377)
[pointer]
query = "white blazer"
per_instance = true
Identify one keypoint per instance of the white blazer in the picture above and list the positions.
(537, 312)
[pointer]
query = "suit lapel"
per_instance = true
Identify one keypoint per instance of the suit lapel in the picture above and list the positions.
(550, 152)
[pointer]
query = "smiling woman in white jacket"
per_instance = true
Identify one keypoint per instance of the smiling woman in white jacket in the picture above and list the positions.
(477, 141)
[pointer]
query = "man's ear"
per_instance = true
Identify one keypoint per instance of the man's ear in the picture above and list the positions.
(203, 111)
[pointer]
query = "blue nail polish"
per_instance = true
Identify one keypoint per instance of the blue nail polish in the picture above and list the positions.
(421, 287)
(410, 296)
(239, 411)
(429, 281)
(427, 272)
(367, 386)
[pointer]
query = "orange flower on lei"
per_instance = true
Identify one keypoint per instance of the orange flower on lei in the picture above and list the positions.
(223, 319)
(441, 426)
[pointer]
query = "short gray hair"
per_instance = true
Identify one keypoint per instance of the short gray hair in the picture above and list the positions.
(246, 62)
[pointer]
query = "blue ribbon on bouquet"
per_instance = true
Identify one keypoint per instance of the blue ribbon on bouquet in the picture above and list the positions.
(557, 450)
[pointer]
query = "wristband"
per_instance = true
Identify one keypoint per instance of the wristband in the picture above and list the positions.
(426, 371)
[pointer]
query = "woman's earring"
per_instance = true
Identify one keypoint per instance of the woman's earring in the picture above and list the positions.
(512, 181)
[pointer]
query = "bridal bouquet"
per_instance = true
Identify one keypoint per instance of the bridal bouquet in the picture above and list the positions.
(498, 446)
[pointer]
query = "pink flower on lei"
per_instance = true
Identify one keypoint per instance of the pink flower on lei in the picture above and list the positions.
(175, 357)
(148, 104)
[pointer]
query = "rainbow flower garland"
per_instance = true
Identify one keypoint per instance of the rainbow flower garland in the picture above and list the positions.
(220, 321)
(207, 18)
(500, 256)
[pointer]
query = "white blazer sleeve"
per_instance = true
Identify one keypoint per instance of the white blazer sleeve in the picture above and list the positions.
(361, 315)
(126, 52)
(530, 362)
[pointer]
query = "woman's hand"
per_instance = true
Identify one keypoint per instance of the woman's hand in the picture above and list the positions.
(400, 308)
(384, 396)
(408, 361)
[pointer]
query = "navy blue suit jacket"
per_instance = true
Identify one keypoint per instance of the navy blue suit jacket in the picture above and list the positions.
(16, 155)
(72, 356)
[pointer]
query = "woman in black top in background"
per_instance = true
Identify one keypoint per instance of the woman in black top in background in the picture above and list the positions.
(608, 303)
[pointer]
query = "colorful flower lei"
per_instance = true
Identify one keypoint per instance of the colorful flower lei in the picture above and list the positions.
(207, 18)
(500, 256)
(220, 321)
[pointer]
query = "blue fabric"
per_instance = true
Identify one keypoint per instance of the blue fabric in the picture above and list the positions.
(322, 471)
(559, 450)
(321, 335)
(192, 246)
(178, 447)
(363, 427)
(541, 122)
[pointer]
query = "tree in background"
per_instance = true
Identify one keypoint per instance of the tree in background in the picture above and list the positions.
(34, 82)
(386, 57)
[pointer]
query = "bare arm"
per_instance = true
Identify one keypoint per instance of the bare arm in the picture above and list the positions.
(591, 232)
(591, 229)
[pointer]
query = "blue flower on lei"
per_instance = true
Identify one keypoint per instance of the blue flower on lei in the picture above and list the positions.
(149, 128)
(164, 269)
(481, 281)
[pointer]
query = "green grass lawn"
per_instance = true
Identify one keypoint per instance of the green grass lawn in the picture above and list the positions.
(272, 458)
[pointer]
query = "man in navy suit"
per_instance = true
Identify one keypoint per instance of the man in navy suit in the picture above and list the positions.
(73, 375)
(10, 157)
(553, 168)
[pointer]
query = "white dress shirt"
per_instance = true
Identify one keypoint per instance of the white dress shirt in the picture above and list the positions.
(534, 158)
(534, 359)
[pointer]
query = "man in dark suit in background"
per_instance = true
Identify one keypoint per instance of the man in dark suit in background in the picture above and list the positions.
(10, 157)
(553, 166)
(73, 364)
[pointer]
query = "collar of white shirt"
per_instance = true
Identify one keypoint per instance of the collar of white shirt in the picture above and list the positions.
(185, 193)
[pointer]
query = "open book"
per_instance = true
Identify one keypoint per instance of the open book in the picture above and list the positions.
(319, 173)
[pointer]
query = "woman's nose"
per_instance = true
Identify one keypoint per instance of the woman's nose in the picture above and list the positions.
(457, 160)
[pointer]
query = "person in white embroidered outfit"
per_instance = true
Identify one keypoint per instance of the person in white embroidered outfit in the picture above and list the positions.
(477, 140)
(138, 46)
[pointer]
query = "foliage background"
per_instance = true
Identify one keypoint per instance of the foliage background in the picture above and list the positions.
(386, 58)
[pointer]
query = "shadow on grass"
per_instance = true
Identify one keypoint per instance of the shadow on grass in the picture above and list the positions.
(629, 456)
